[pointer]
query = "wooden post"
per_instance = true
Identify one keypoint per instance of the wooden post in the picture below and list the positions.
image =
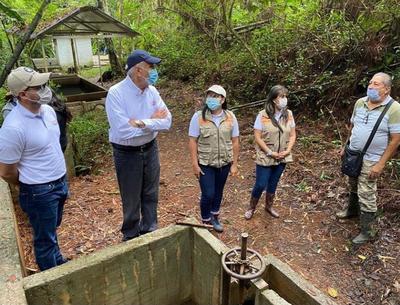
(74, 56)
(44, 57)
(98, 56)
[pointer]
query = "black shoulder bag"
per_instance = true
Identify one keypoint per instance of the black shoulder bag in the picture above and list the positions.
(352, 159)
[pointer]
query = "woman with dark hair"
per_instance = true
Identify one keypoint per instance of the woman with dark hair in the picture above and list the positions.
(214, 150)
(64, 116)
(275, 135)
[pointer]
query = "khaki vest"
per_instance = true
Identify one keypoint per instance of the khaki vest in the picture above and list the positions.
(214, 145)
(275, 139)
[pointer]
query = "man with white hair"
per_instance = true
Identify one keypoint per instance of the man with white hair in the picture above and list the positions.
(136, 113)
(31, 156)
(362, 199)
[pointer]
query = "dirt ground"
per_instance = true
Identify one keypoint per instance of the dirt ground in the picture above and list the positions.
(307, 236)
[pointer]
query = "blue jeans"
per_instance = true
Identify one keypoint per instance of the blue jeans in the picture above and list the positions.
(267, 178)
(138, 174)
(212, 187)
(44, 203)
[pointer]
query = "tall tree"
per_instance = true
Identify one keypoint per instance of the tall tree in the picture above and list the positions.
(22, 42)
(112, 55)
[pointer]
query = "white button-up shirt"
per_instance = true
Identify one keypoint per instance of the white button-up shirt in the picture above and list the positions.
(33, 142)
(126, 101)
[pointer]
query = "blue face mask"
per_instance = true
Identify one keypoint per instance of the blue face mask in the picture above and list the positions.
(373, 94)
(213, 103)
(153, 77)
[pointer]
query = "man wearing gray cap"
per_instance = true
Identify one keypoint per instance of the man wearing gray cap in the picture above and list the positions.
(31, 156)
(136, 113)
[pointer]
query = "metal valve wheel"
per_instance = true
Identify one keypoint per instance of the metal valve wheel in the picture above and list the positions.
(243, 263)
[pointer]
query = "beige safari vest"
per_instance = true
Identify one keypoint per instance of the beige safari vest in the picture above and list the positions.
(214, 145)
(276, 140)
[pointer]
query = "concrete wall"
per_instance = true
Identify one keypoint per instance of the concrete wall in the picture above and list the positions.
(290, 286)
(175, 265)
(207, 271)
(153, 269)
(11, 291)
(64, 52)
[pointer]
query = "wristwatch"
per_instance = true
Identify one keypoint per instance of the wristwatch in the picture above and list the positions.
(269, 154)
(139, 123)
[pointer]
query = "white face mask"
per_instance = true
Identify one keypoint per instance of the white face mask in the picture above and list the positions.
(45, 96)
(282, 103)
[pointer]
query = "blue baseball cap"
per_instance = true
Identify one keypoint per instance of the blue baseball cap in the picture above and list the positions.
(138, 56)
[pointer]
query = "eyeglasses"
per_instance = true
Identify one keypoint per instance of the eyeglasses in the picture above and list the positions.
(366, 118)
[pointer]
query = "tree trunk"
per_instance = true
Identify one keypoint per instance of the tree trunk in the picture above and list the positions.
(116, 68)
(21, 44)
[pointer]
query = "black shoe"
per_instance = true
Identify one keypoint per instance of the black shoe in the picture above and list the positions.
(126, 238)
(63, 261)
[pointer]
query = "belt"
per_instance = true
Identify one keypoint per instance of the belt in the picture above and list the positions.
(141, 148)
(51, 182)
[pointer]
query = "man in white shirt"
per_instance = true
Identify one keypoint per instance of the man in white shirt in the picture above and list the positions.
(136, 113)
(31, 156)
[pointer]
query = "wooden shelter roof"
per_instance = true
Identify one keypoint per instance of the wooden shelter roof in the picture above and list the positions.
(85, 21)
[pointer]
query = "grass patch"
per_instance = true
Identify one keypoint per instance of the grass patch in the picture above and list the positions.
(90, 140)
(93, 72)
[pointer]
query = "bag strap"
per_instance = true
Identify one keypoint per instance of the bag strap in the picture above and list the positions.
(378, 122)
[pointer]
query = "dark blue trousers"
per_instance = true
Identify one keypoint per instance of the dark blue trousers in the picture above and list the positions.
(44, 203)
(138, 174)
(267, 178)
(212, 187)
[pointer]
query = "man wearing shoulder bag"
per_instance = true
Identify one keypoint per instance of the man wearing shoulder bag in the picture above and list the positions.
(375, 136)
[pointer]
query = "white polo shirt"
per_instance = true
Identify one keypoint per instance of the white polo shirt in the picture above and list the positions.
(126, 101)
(33, 142)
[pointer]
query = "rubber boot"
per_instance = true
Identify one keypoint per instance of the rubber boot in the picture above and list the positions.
(269, 201)
(216, 224)
(366, 220)
(353, 208)
(252, 208)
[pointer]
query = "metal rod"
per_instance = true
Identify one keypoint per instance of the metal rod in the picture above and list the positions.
(199, 225)
(243, 250)
(243, 255)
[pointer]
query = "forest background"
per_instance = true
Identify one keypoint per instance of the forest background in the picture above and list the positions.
(324, 51)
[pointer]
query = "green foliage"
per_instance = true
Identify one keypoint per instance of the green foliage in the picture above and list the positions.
(90, 139)
(93, 72)
(3, 93)
(303, 187)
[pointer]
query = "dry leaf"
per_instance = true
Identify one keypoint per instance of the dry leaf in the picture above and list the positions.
(332, 292)
(362, 257)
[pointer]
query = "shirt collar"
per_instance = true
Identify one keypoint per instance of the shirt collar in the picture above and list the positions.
(387, 100)
(133, 86)
(25, 112)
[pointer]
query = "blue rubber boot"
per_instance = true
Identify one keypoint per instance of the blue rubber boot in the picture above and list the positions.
(216, 224)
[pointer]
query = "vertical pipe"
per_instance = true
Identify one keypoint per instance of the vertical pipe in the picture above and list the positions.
(244, 246)
(243, 257)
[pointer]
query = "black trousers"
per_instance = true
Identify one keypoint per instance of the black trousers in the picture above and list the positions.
(138, 174)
